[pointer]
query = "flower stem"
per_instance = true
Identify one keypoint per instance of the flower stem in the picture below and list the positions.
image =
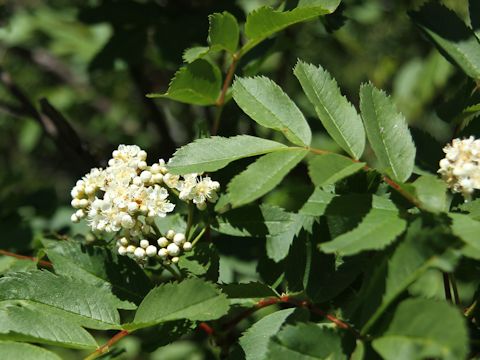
(189, 219)
(198, 237)
(170, 269)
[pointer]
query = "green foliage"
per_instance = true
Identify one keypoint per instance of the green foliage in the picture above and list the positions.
(320, 245)
(267, 104)
(12, 350)
(388, 133)
(255, 340)
(327, 169)
(413, 334)
(451, 36)
(223, 32)
(337, 115)
(431, 192)
(87, 304)
(100, 267)
(217, 152)
(262, 176)
(191, 299)
(377, 229)
(196, 83)
(306, 341)
(266, 21)
(27, 322)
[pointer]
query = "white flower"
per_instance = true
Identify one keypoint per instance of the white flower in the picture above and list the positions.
(206, 189)
(157, 203)
(460, 168)
(171, 180)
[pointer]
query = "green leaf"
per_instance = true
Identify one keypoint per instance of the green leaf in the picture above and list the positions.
(378, 229)
(422, 249)
(101, 267)
(472, 208)
(91, 306)
(452, 37)
(431, 192)
(191, 299)
(263, 22)
(216, 152)
(262, 176)
(388, 133)
(247, 294)
(196, 83)
(474, 12)
(327, 169)
(14, 350)
(267, 104)
(467, 229)
(336, 113)
(223, 32)
(306, 341)
(202, 262)
(253, 221)
(194, 53)
(11, 264)
(317, 203)
(416, 333)
(278, 245)
(254, 341)
(26, 322)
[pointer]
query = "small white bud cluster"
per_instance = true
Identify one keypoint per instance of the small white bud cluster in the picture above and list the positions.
(128, 195)
(167, 248)
(460, 168)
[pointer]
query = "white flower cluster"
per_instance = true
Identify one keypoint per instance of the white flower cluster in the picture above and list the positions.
(461, 166)
(128, 195)
(168, 248)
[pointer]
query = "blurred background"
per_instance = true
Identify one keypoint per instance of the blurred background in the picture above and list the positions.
(74, 75)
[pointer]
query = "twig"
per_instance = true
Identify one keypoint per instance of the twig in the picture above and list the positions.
(456, 296)
(291, 301)
(220, 103)
(54, 125)
(23, 257)
(106, 347)
(446, 286)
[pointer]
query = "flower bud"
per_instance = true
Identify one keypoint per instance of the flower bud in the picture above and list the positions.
(163, 253)
(144, 243)
(139, 253)
(173, 250)
(187, 246)
(122, 250)
(170, 234)
(151, 251)
(163, 242)
(179, 239)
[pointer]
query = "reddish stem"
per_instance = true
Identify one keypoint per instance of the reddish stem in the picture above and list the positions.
(106, 347)
(207, 328)
(23, 257)
(285, 299)
(221, 98)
